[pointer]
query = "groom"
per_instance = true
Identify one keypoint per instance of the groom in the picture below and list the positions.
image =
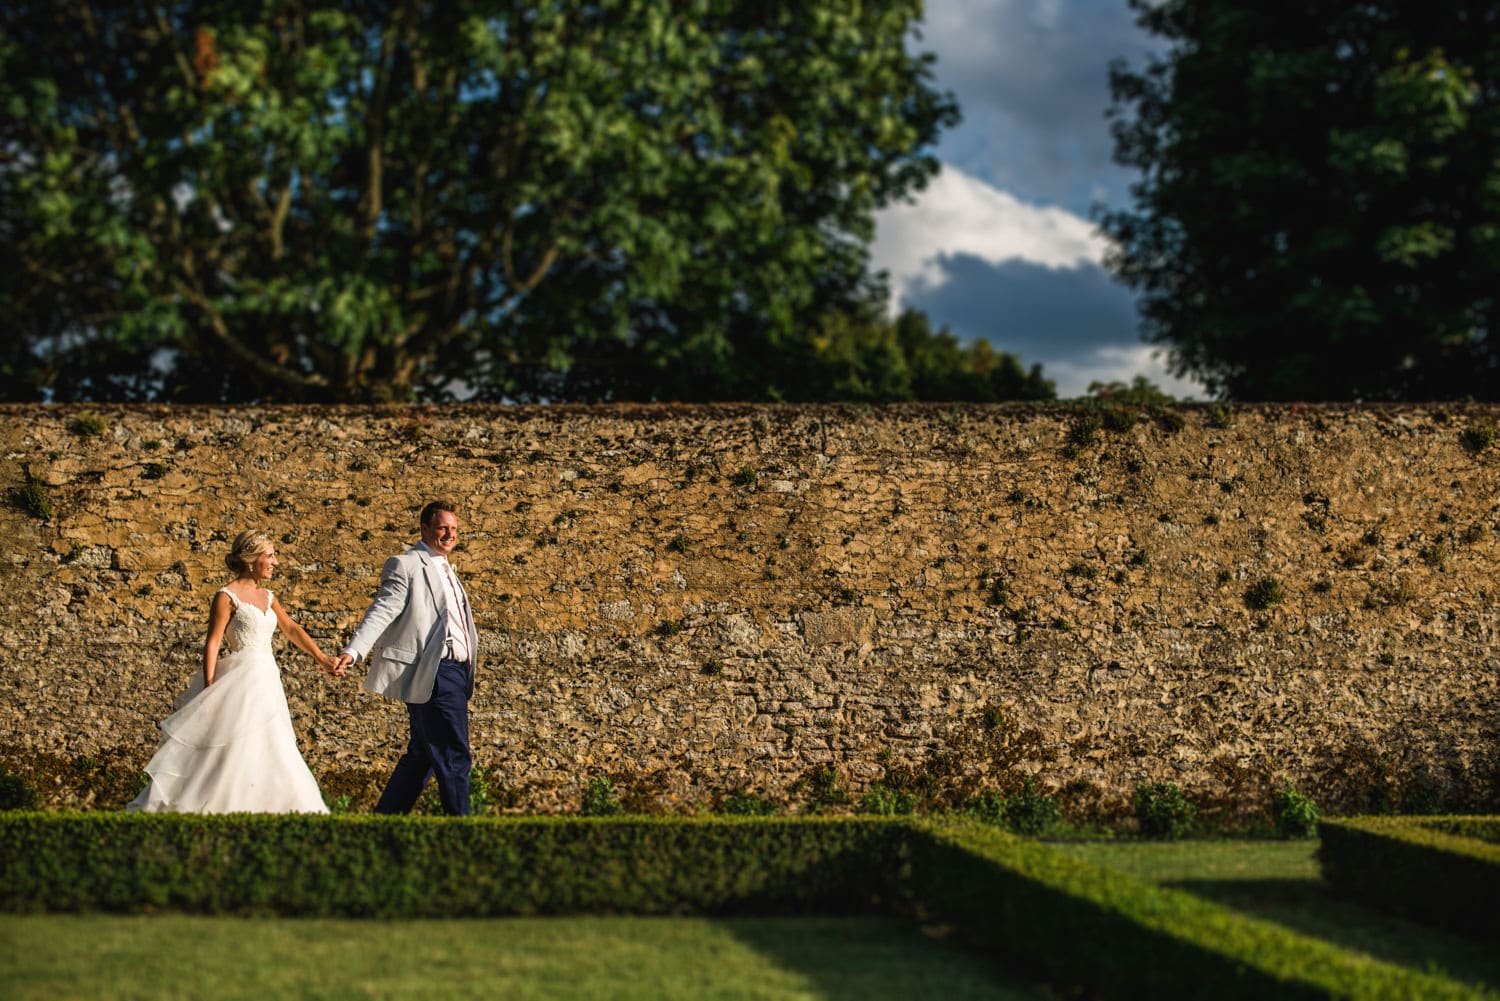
(420, 639)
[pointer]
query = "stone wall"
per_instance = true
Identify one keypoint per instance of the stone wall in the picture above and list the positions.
(692, 600)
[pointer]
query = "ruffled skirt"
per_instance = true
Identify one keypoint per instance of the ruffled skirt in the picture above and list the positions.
(230, 747)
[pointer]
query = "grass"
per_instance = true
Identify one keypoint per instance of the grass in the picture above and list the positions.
(178, 956)
(1279, 881)
(857, 958)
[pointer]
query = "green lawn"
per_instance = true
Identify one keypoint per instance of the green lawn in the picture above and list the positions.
(860, 959)
(1279, 881)
(176, 956)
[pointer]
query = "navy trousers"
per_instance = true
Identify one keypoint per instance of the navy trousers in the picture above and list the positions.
(439, 747)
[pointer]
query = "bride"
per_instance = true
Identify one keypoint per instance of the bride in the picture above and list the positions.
(230, 747)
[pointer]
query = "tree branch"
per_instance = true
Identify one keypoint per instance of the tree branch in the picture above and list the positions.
(186, 67)
(224, 336)
(549, 257)
(375, 132)
(278, 221)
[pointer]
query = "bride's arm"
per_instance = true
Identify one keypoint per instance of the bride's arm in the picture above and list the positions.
(302, 640)
(219, 610)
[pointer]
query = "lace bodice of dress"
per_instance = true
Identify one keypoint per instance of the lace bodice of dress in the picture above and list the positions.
(249, 627)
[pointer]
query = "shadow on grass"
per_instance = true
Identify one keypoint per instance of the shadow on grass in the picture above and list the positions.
(1306, 906)
(874, 959)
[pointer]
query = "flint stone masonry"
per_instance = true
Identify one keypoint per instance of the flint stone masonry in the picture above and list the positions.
(696, 599)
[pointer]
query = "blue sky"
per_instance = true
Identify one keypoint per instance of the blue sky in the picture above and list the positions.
(1001, 245)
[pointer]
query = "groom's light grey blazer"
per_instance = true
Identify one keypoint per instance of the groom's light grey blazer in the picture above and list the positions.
(404, 630)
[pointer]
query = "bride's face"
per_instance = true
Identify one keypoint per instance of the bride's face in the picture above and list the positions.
(264, 564)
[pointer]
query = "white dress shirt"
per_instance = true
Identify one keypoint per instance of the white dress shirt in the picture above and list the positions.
(458, 628)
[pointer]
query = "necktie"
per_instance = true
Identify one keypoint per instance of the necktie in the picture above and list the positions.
(458, 592)
(458, 638)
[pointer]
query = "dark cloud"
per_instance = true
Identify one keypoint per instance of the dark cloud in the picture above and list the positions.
(1043, 314)
(1032, 80)
(1049, 71)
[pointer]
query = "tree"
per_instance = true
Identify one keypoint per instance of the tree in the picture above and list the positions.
(865, 356)
(1141, 392)
(1318, 215)
(356, 200)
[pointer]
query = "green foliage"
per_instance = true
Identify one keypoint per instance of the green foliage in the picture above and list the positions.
(881, 800)
(1263, 593)
(89, 425)
(1169, 421)
(1084, 569)
(338, 805)
(1162, 811)
(1084, 430)
(1296, 815)
(1443, 871)
(1478, 436)
(824, 787)
(1102, 414)
(746, 803)
(1032, 813)
(987, 807)
(1350, 257)
(1119, 419)
(1028, 812)
(600, 798)
(415, 866)
(15, 792)
(1108, 934)
(323, 201)
(861, 355)
(106, 780)
(31, 497)
(429, 804)
(997, 589)
(1095, 931)
(1141, 392)
(481, 800)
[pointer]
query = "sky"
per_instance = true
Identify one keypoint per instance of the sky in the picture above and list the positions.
(1001, 244)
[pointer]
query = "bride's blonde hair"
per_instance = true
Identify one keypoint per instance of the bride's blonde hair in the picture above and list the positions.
(246, 546)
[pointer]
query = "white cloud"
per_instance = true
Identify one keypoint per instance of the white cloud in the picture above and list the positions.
(1032, 79)
(1043, 62)
(960, 214)
(933, 247)
(1074, 376)
(999, 245)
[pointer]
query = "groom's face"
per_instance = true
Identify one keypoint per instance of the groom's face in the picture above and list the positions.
(441, 533)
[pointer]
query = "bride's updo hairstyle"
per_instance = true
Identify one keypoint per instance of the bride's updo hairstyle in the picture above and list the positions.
(247, 545)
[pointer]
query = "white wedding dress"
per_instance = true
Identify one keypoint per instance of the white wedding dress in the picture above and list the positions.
(230, 747)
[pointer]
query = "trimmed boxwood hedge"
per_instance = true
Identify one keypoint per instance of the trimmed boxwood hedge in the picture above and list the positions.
(1086, 928)
(369, 866)
(1443, 871)
(1112, 934)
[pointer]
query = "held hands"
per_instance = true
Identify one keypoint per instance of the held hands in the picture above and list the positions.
(333, 665)
(340, 662)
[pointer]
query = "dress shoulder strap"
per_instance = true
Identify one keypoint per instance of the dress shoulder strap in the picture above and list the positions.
(232, 598)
